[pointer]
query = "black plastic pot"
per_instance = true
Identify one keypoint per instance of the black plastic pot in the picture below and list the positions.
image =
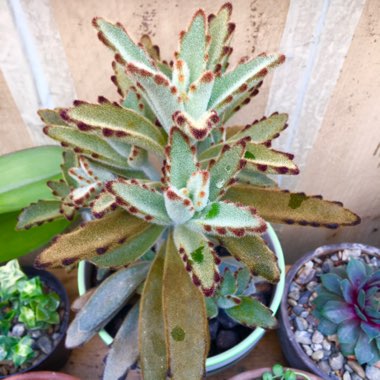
(291, 349)
(60, 354)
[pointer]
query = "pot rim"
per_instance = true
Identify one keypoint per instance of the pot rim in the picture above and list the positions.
(322, 251)
(43, 375)
(216, 362)
(254, 374)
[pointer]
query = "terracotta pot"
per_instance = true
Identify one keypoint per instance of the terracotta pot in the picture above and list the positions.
(292, 351)
(43, 375)
(257, 373)
(58, 357)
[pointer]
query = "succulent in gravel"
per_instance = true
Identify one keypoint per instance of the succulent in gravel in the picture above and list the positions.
(348, 304)
(280, 373)
(212, 189)
(23, 300)
(235, 295)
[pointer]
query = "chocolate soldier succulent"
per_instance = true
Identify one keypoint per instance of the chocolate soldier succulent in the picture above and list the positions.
(212, 189)
(348, 304)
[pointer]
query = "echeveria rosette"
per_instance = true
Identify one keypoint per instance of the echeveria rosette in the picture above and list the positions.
(348, 304)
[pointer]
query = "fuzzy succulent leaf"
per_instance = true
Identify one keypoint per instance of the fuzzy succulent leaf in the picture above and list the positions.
(80, 244)
(141, 200)
(178, 206)
(198, 186)
(121, 80)
(193, 45)
(250, 72)
(264, 130)
(102, 204)
(152, 338)
(198, 257)
(211, 308)
(117, 38)
(108, 298)
(228, 219)
(39, 213)
(228, 285)
(69, 161)
(181, 77)
(250, 176)
(119, 123)
(124, 350)
(134, 246)
(280, 206)
(60, 189)
(255, 254)
(183, 329)
(252, 313)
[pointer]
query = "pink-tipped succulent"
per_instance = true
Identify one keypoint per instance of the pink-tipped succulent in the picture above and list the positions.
(348, 304)
(212, 189)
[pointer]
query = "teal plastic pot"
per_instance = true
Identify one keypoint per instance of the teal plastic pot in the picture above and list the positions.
(229, 357)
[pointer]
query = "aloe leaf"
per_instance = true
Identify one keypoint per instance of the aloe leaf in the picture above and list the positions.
(252, 313)
(198, 186)
(117, 38)
(228, 219)
(269, 160)
(141, 200)
(199, 258)
(193, 45)
(252, 71)
(135, 245)
(161, 95)
(39, 213)
(152, 344)
(228, 164)
(180, 159)
(124, 350)
(108, 298)
(183, 329)
(119, 123)
(19, 243)
(80, 244)
(178, 206)
(252, 177)
(279, 206)
(24, 175)
(199, 94)
(264, 130)
(219, 30)
(255, 254)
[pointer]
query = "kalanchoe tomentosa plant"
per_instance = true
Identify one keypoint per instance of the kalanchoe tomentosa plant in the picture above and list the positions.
(348, 304)
(212, 189)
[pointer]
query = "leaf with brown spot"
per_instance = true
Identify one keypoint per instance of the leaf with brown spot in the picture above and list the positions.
(276, 206)
(120, 79)
(152, 345)
(255, 254)
(90, 239)
(185, 319)
(253, 177)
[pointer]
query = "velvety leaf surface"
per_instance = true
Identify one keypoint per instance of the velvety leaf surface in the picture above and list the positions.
(184, 327)
(199, 258)
(24, 175)
(108, 298)
(60, 189)
(252, 177)
(198, 185)
(252, 313)
(120, 79)
(280, 206)
(38, 213)
(255, 254)
(152, 343)
(80, 244)
(178, 206)
(181, 77)
(124, 350)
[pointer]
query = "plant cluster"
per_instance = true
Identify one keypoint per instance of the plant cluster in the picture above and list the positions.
(278, 372)
(348, 304)
(212, 189)
(23, 300)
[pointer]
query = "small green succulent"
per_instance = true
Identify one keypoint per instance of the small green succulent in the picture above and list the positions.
(348, 304)
(278, 372)
(23, 300)
(235, 297)
(159, 167)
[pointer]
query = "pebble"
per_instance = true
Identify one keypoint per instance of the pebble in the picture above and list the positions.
(304, 314)
(324, 366)
(292, 302)
(373, 373)
(317, 355)
(326, 345)
(297, 310)
(336, 361)
(307, 349)
(317, 337)
(302, 337)
(346, 376)
(333, 338)
(295, 294)
(316, 346)
(327, 266)
(355, 376)
(45, 345)
(306, 275)
(18, 330)
(226, 321)
(311, 286)
(294, 286)
(357, 368)
(35, 333)
(300, 323)
(56, 336)
(304, 298)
